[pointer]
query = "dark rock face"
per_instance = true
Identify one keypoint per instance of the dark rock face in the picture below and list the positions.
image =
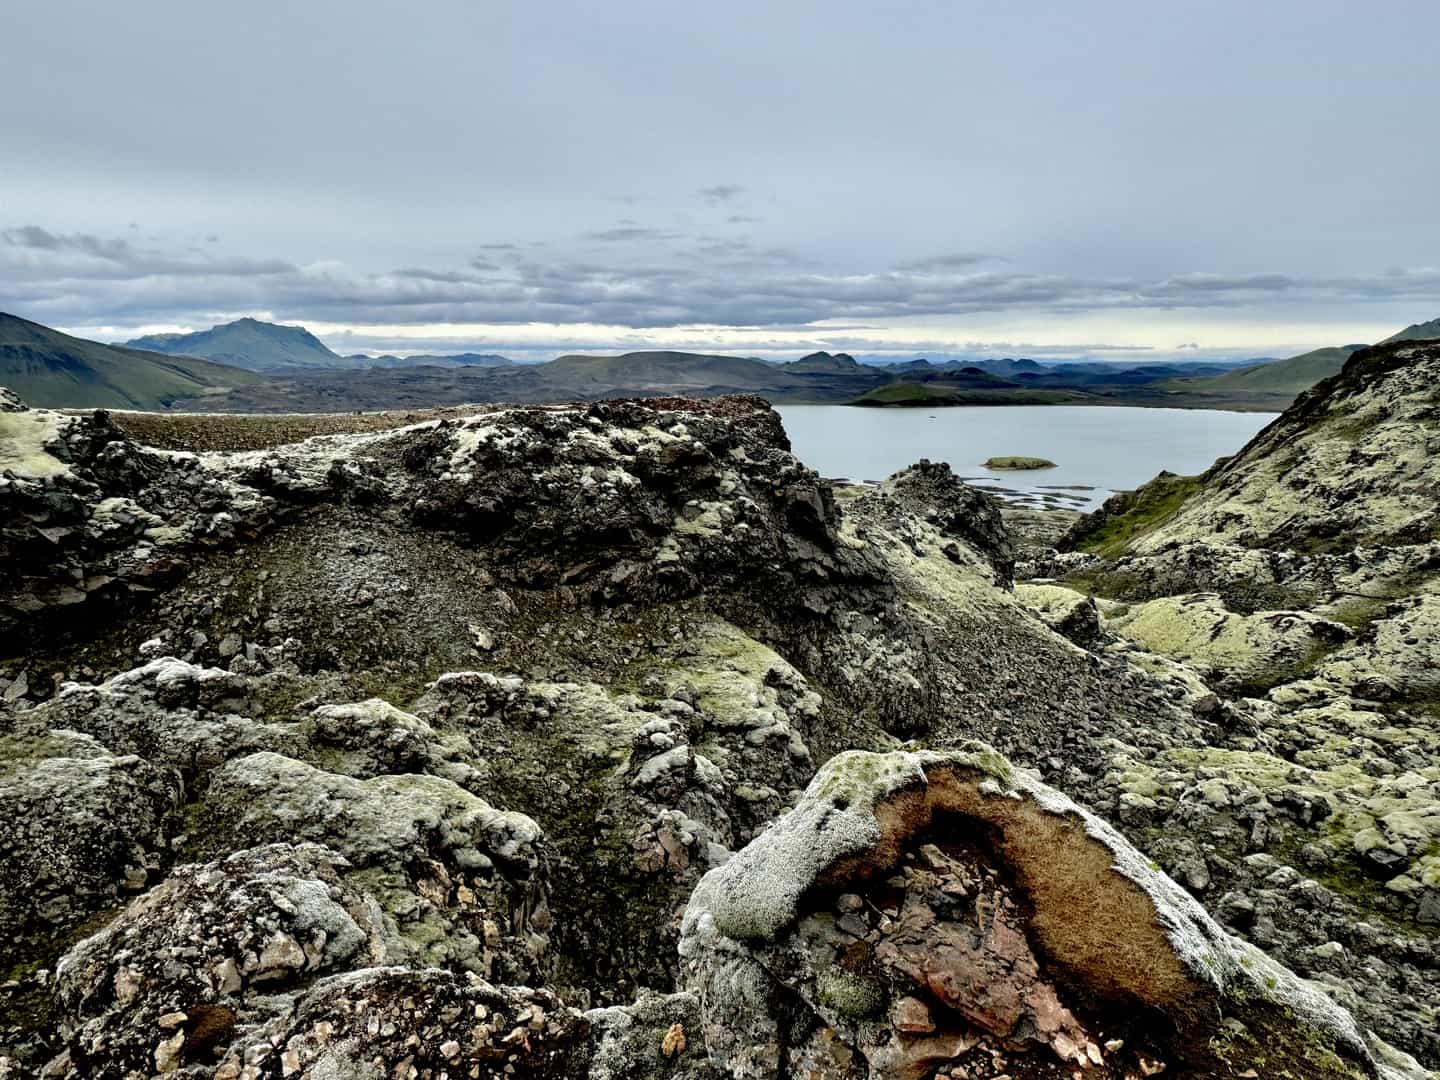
(405, 751)
(104, 520)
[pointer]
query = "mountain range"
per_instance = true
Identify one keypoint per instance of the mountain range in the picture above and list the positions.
(271, 347)
(253, 366)
(389, 360)
(1296, 373)
(56, 370)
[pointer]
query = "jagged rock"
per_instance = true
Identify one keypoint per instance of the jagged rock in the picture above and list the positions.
(463, 882)
(86, 514)
(372, 737)
(643, 792)
(188, 717)
(1070, 614)
(972, 870)
(163, 986)
(931, 491)
(79, 828)
(656, 1037)
(1305, 817)
(10, 401)
(679, 621)
(378, 1023)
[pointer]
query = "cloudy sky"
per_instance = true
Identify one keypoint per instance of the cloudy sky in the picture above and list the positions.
(1119, 179)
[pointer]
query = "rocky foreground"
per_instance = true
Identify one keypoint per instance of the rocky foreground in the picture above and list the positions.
(609, 741)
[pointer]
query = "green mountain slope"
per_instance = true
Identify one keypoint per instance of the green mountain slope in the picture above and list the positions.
(249, 343)
(670, 371)
(54, 370)
(1425, 331)
(1289, 376)
(1298, 373)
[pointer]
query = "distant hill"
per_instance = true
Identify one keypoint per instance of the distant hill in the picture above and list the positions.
(1425, 331)
(670, 372)
(389, 360)
(906, 395)
(1289, 376)
(825, 363)
(1298, 373)
(249, 343)
(54, 370)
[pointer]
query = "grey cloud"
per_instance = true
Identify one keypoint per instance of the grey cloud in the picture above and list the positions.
(628, 234)
(732, 282)
(719, 193)
(41, 254)
(960, 260)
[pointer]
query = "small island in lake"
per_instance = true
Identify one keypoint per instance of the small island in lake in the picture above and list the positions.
(1019, 463)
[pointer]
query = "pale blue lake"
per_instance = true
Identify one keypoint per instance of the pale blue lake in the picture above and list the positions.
(1099, 448)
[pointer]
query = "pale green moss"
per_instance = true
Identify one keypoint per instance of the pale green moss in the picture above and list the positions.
(852, 996)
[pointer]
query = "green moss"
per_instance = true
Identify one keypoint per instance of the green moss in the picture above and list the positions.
(1110, 535)
(852, 996)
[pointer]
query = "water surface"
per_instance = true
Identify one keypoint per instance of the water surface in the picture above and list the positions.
(1100, 449)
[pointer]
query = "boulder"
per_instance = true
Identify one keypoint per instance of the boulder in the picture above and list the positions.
(80, 827)
(163, 985)
(931, 911)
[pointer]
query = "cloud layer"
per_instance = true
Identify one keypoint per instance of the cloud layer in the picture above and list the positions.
(940, 171)
(680, 281)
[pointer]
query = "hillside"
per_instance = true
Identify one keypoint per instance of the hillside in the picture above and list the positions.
(1355, 461)
(1296, 373)
(249, 343)
(1297, 581)
(1288, 376)
(1426, 331)
(661, 371)
(56, 370)
(906, 394)
(825, 363)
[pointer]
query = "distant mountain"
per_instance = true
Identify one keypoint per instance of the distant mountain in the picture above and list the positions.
(1425, 331)
(54, 370)
(1289, 376)
(1297, 373)
(249, 343)
(389, 360)
(825, 363)
(670, 372)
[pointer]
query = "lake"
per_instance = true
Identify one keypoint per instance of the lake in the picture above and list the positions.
(1096, 449)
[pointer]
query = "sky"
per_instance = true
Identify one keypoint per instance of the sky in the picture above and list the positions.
(1120, 180)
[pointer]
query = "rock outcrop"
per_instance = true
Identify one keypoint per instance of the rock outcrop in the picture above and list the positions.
(417, 751)
(894, 924)
(1297, 580)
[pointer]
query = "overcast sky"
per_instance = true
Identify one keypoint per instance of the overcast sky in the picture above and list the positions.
(1116, 179)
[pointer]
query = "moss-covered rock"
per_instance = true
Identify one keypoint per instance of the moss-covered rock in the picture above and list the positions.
(1113, 929)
